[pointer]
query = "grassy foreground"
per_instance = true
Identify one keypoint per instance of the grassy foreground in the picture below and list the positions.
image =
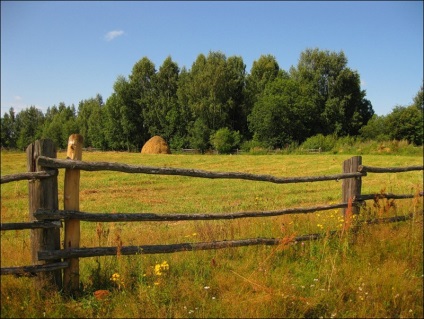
(377, 272)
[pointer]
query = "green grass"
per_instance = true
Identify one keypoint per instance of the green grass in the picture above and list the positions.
(374, 273)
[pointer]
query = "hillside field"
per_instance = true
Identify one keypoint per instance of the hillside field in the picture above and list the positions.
(376, 272)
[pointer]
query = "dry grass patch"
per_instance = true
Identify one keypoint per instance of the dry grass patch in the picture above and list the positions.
(376, 272)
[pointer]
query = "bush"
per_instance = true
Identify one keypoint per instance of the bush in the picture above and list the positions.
(224, 140)
(326, 143)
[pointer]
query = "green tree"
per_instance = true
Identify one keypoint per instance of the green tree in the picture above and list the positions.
(137, 98)
(90, 121)
(161, 114)
(96, 129)
(419, 99)
(280, 116)
(114, 133)
(199, 134)
(214, 89)
(376, 129)
(236, 86)
(339, 104)
(8, 130)
(184, 114)
(406, 123)
(263, 71)
(29, 123)
(224, 140)
(60, 123)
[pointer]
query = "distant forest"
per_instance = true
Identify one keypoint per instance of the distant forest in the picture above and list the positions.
(217, 105)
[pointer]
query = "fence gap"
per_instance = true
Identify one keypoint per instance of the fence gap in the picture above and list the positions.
(71, 202)
(43, 194)
(351, 187)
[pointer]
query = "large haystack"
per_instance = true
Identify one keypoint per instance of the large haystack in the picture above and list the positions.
(156, 145)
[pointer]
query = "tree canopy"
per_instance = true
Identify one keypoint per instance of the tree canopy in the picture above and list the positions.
(217, 104)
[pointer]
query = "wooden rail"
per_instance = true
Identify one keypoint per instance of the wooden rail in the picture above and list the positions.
(172, 248)
(138, 217)
(32, 225)
(125, 168)
(27, 176)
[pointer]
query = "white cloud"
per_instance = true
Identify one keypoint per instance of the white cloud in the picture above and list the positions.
(17, 98)
(113, 34)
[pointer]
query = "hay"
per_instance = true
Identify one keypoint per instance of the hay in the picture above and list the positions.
(156, 145)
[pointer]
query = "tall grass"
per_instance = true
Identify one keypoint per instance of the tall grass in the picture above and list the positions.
(373, 272)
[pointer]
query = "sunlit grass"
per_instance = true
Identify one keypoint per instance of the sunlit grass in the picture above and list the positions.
(376, 272)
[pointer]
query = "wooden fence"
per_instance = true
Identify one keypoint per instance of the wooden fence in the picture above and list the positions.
(45, 218)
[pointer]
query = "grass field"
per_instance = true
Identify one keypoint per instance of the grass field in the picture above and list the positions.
(377, 272)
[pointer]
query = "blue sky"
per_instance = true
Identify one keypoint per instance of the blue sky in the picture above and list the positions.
(54, 52)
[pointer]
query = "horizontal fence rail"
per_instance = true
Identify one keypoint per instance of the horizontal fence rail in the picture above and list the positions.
(172, 248)
(27, 176)
(363, 197)
(31, 225)
(126, 168)
(138, 217)
(33, 270)
(370, 169)
(144, 217)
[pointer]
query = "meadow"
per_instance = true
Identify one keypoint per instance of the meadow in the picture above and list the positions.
(374, 272)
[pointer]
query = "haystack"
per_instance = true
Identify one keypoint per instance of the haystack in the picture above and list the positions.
(156, 145)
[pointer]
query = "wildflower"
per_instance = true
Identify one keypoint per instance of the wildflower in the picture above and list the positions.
(206, 287)
(117, 280)
(158, 271)
(160, 268)
(115, 277)
(164, 265)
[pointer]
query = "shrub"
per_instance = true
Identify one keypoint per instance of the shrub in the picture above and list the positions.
(224, 140)
(326, 143)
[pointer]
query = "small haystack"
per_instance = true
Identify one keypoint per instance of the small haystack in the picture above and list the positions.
(156, 145)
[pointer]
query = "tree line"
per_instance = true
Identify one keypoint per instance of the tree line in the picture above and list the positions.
(217, 104)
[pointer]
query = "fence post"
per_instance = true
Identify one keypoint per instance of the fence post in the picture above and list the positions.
(351, 187)
(71, 202)
(43, 194)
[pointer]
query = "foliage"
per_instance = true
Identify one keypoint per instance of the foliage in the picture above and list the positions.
(403, 123)
(225, 140)
(60, 123)
(334, 90)
(319, 141)
(280, 116)
(28, 123)
(8, 130)
(269, 106)
(90, 122)
(376, 129)
(199, 134)
(406, 123)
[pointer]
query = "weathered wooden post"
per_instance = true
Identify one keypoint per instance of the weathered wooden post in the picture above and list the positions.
(71, 202)
(351, 187)
(43, 194)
